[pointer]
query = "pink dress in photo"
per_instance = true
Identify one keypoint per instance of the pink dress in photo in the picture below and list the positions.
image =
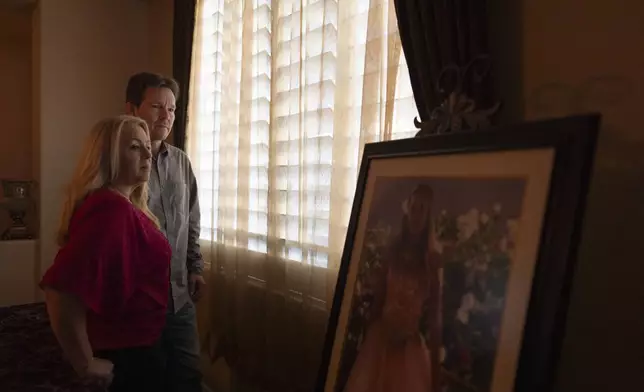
(394, 356)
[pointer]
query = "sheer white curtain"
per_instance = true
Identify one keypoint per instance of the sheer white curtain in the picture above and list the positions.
(284, 95)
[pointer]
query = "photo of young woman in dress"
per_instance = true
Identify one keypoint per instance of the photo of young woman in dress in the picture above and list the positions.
(430, 288)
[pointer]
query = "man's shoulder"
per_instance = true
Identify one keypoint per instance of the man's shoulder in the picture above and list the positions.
(175, 151)
(178, 155)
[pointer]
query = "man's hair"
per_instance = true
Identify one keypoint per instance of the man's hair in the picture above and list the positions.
(139, 83)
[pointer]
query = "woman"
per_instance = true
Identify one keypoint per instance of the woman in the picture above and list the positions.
(107, 289)
(398, 352)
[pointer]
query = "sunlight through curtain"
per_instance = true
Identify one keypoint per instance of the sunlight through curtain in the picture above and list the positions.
(284, 95)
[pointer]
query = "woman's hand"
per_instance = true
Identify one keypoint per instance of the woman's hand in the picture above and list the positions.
(98, 371)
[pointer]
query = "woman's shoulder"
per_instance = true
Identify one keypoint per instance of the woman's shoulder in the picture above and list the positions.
(103, 205)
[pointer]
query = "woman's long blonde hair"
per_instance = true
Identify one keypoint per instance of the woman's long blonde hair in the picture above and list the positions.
(98, 167)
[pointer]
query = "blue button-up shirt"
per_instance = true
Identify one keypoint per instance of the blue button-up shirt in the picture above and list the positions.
(173, 199)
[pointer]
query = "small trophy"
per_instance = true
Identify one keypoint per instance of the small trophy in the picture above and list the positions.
(17, 199)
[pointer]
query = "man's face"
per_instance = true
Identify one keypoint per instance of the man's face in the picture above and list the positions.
(157, 109)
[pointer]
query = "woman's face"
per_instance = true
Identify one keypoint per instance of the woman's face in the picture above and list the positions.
(134, 156)
(418, 214)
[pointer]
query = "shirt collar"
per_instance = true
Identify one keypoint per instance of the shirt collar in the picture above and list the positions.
(163, 151)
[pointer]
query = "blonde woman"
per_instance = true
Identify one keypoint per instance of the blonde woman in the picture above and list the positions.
(107, 289)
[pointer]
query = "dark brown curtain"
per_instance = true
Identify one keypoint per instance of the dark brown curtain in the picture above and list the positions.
(446, 46)
(182, 38)
(437, 34)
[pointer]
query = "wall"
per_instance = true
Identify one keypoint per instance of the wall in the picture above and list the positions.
(15, 77)
(16, 272)
(65, 64)
(16, 145)
(160, 14)
(87, 51)
(574, 56)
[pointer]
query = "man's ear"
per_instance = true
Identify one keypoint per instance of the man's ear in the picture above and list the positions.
(130, 109)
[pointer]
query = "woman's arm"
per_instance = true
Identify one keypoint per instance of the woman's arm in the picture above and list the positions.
(67, 315)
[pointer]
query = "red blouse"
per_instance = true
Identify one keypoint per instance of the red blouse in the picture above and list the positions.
(117, 262)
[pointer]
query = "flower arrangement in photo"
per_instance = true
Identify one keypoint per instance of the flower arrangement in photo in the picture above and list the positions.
(372, 264)
(373, 253)
(477, 249)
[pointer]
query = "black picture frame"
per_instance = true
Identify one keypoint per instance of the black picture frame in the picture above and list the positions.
(573, 140)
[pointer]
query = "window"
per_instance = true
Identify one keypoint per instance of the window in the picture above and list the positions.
(284, 95)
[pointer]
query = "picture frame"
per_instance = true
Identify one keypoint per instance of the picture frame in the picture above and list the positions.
(458, 261)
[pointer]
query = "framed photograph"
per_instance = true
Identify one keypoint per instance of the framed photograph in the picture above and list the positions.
(458, 261)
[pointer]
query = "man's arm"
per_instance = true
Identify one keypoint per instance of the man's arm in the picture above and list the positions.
(194, 260)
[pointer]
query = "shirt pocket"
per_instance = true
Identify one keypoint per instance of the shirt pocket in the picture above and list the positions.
(178, 195)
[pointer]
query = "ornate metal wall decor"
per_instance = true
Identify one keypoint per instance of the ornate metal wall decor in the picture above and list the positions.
(459, 112)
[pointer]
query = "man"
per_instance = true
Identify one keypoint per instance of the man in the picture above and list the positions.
(173, 200)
